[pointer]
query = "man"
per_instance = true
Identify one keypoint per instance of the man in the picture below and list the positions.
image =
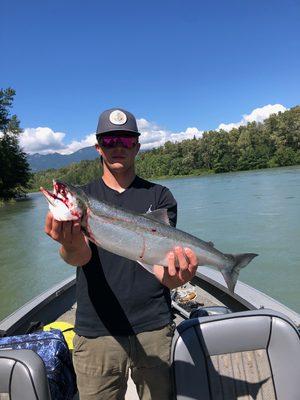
(123, 318)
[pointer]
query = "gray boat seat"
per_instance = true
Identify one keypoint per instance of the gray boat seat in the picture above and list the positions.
(246, 355)
(22, 376)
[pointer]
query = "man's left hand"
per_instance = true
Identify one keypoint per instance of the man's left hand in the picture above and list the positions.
(182, 266)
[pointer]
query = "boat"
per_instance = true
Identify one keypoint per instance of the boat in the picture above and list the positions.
(204, 300)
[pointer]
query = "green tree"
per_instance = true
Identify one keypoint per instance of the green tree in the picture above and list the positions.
(14, 168)
(285, 156)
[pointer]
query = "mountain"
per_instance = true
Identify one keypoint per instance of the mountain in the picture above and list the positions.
(41, 162)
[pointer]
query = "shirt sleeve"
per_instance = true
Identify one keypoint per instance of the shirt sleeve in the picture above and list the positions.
(167, 200)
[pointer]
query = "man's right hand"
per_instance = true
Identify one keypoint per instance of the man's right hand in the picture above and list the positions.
(75, 249)
(68, 233)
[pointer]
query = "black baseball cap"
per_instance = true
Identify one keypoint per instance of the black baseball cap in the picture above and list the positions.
(117, 120)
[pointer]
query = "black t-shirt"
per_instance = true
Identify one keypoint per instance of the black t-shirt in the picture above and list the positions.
(117, 296)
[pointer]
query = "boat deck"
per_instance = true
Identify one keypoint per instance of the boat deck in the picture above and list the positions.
(201, 298)
(186, 293)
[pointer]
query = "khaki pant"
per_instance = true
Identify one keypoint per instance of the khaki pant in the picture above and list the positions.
(102, 365)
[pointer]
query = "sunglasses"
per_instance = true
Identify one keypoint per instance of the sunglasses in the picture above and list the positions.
(128, 142)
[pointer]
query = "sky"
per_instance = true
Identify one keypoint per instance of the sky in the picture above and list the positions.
(181, 67)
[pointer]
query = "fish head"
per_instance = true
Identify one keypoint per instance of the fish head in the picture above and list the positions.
(66, 202)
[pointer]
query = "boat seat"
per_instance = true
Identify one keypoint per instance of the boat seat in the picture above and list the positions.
(245, 355)
(22, 376)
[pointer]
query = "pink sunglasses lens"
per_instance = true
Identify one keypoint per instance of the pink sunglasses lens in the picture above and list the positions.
(108, 141)
(128, 142)
(112, 141)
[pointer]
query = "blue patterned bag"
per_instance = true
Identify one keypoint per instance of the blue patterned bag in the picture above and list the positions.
(53, 350)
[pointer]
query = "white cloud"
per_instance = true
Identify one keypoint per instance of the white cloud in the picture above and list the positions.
(189, 133)
(143, 123)
(154, 136)
(228, 127)
(75, 145)
(257, 115)
(44, 140)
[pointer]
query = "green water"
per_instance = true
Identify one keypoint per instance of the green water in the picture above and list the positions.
(256, 211)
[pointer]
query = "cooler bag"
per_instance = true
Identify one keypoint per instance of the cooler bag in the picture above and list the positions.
(53, 350)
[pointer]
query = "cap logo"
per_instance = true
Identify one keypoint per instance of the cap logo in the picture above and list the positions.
(117, 117)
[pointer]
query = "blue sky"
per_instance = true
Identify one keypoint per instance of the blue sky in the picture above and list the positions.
(176, 65)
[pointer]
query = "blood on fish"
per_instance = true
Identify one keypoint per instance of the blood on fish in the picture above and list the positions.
(143, 249)
(62, 196)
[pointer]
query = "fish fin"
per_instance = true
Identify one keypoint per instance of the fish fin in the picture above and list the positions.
(148, 267)
(231, 274)
(160, 215)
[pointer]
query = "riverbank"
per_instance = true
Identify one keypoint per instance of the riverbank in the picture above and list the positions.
(57, 174)
(14, 200)
(193, 173)
(156, 178)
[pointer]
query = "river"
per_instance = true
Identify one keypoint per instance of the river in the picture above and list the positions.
(254, 211)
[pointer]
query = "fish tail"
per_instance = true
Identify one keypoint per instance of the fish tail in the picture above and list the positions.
(231, 273)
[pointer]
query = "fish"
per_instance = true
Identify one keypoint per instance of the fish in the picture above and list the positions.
(144, 238)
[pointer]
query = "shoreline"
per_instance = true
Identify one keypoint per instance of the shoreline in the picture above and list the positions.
(196, 173)
(204, 173)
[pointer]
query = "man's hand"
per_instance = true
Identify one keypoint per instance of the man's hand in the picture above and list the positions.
(68, 233)
(182, 266)
(75, 249)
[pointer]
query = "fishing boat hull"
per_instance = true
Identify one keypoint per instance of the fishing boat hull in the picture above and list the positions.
(210, 287)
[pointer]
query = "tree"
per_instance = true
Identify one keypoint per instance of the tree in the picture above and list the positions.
(14, 168)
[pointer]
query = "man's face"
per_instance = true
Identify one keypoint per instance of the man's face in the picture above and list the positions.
(118, 151)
